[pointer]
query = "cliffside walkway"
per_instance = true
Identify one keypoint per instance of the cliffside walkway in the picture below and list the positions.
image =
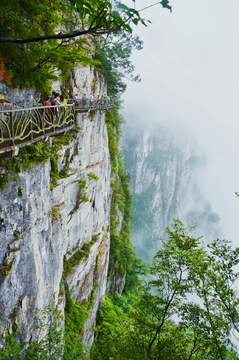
(21, 127)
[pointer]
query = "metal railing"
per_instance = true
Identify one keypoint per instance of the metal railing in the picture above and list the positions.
(21, 127)
(95, 104)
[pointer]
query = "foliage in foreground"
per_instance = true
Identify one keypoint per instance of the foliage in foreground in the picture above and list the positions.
(52, 342)
(36, 65)
(41, 39)
(191, 283)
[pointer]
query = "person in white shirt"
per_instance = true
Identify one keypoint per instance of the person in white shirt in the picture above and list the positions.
(91, 99)
(75, 99)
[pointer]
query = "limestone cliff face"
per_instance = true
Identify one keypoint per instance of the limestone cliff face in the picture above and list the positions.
(82, 80)
(42, 227)
(165, 163)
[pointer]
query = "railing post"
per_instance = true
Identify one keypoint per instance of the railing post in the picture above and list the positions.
(12, 129)
(43, 122)
(31, 124)
(73, 111)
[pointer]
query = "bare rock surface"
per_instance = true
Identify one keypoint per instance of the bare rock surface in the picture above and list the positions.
(41, 227)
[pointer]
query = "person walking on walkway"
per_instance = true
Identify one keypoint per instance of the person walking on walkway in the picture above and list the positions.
(105, 99)
(91, 99)
(63, 100)
(75, 99)
(62, 110)
(84, 98)
(98, 100)
(55, 110)
(47, 110)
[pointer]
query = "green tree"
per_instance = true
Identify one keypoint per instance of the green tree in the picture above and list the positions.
(39, 63)
(113, 54)
(42, 40)
(95, 17)
(203, 330)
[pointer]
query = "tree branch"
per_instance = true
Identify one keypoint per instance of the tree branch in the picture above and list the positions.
(91, 30)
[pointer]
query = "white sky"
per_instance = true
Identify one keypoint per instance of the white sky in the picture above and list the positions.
(190, 72)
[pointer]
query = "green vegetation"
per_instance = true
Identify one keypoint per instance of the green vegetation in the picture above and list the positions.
(92, 176)
(139, 325)
(114, 60)
(7, 267)
(29, 61)
(36, 64)
(31, 155)
(122, 255)
(51, 342)
(75, 317)
(74, 260)
(54, 213)
(20, 191)
(28, 157)
(82, 195)
(95, 18)
(94, 238)
(69, 264)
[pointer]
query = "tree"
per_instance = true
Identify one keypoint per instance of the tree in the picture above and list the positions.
(113, 54)
(95, 18)
(38, 64)
(182, 268)
(33, 53)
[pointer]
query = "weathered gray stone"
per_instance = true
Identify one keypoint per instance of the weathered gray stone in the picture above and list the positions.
(34, 242)
(19, 98)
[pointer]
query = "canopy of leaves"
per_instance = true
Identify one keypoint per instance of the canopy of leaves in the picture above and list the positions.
(139, 325)
(114, 54)
(42, 40)
(37, 64)
(95, 17)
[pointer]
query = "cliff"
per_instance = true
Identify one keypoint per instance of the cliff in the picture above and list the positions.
(51, 240)
(166, 164)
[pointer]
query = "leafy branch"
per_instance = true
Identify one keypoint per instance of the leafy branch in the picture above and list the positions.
(100, 17)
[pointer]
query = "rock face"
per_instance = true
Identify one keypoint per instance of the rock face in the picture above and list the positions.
(19, 98)
(165, 164)
(83, 80)
(39, 227)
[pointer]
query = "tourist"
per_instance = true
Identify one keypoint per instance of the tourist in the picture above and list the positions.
(91, 99)
(84, 98)
(63, 100)
(55, 101)
(46, 102)
(98, 100)
(105, 99)
(75, 99)
(47, 110)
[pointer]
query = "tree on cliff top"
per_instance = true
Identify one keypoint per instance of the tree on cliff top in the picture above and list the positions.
(42, 38)
(95, 17)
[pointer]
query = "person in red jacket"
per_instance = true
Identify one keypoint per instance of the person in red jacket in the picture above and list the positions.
(47, 110)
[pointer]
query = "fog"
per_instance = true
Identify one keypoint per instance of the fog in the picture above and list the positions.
(190, 74)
